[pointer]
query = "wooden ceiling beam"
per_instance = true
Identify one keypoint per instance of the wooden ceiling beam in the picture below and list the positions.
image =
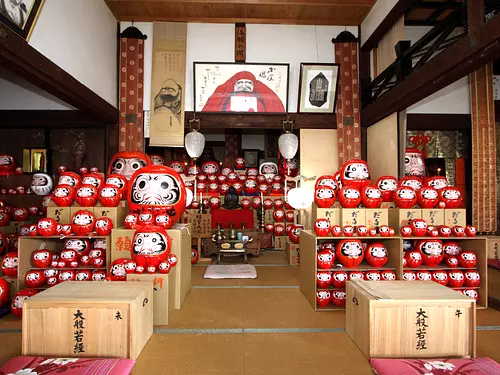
(387, 23)
(457, 61)
(361, 3)
(47, 118)
(18, 56)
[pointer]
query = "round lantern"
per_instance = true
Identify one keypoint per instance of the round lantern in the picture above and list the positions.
(194, 142)
(63, 195)
(371, 197)
(405, 197)
(41, 184)
(126, 163)
(288, 144)
(323, 279)
(323, 298)
(82, 222)
(450, 196)
(324, 196)
(350, 253)
(47, 227)
(300, 198)
(70, 178)
(355, 173)
(436, 182)
(10, 264)
(18, 301)
(294, 233)
(432, 252)
(279, 215)
(376, 255)
(103, 226)
(472, 279)
(387, 185)
(322, 227)
(7, 165)
(467, 259)
(326, 181)
(150, 247)
(349, 197)
(456, 278)
(427, 197)
(387, 275)
(411, 181)
(157, 188)
(86, 195)
(21, 214)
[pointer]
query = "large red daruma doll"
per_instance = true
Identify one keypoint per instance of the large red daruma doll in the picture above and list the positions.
(350, 253)
(150, 247)
(126, 163)
(355, 173)
(450, 196)
(157, 188)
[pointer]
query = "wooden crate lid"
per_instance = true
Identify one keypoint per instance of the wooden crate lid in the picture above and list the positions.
(92, 291)
(409, 290)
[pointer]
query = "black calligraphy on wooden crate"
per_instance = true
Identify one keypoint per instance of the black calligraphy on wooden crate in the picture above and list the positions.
(78, 335)
(421, 334)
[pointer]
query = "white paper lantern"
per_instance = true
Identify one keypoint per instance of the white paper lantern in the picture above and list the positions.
(194, 143)
(288, 144)
(189, 197)
(300, 198)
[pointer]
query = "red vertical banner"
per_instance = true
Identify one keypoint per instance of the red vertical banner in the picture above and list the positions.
(131, 132)
(484, 205)
(346, 49)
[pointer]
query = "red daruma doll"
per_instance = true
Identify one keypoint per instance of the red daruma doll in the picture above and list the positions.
(151, 246)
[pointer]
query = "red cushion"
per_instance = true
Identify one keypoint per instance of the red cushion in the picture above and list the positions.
(473, 366)
(72, 366)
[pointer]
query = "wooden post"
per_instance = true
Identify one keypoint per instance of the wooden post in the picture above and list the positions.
(240, 42)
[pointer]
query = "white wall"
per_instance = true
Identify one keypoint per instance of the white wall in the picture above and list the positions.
(454, 98)
(18, 94)
(265, 43)
(376, 15)
(80, 37)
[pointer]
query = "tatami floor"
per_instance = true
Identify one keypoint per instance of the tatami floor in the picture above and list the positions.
(258, 327)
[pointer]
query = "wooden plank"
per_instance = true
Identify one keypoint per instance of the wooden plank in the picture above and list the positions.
(438, 121)
(308, 266)
(360, 3)
(17, 55)
(387, 23)
(465, 56)
(50, 118)
(240, 42)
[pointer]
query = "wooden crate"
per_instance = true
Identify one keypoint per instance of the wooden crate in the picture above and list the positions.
(376, 217)
(59, 214)
(163, 295)
(121, 242)
(115, 214)
(434, 216)
(28, 244)
(308, 265)
(479, 245)
(89, 319)
(493, 247)
(455, 216)
(280, 242)
(332, 214)
(402, 319)
(399, 216)
(352, 216)
(293, 254)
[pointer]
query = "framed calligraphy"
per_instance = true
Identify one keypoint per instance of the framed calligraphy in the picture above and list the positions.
(318, 87)
(241, 87)
(20, 16)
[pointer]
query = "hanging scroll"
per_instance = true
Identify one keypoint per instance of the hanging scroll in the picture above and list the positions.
(168, 84)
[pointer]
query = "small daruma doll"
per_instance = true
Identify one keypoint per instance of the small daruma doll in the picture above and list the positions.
(83, 222)
(427, 197)
(371, 197)
(294, 233)
(376, 255)
(350, 253)
(411, 181)
(432, 252)
(47, 227)
(405, 197)
(63, 195)
(387, 185)
(18, 301)
(120, 182)
(110, 196)
(324, 197)
(86, 195)
(150, 247)
(355, 173)
(210, 167)
(450, 196)
(349, 197)
(322, 227)
(103, 226)
(414, 163)
(436, 182)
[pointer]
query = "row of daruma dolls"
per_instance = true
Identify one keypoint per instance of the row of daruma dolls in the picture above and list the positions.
(352, 186)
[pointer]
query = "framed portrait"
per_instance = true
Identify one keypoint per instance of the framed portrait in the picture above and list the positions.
(35, 160)
(20, 15)
(251, 158)
(318, 88)
(241, 87)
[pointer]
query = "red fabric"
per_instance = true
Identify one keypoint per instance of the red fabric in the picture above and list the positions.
(70, 366)
(224, 217)
(267, 101)
(473, 366)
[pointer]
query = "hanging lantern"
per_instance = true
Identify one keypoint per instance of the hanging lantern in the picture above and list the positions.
(194, 140)
(300, 198)
(288, 142)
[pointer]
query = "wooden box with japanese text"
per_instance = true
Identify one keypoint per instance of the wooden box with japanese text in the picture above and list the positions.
(280, 242)
(59, 214)
(201, 224)
(401, 216)
(332, 214)
(376, 217)
(352, 216)
(293, 254)
(121, 243)
(116, 214)
(268, 217)
(434, 216)
(163, 294)
(410, 319)
(493, 247)
(89, 319)
(455, 216)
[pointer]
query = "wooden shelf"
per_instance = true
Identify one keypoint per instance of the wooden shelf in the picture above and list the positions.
(363, 267)
(439, 267)
(65, 268)
(63, 237)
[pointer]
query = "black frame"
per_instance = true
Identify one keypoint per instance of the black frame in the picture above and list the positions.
(302, 65)
(30, 22)
(195, 63)
(255, 151)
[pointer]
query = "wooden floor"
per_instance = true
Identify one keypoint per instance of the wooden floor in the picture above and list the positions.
(257, 327)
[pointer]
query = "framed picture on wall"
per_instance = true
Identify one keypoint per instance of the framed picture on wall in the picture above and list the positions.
(241, 87)
(318, 88)
(251, 158)
(20, 15)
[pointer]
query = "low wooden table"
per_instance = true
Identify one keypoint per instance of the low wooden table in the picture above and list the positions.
(89, 319)
(232, 247)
